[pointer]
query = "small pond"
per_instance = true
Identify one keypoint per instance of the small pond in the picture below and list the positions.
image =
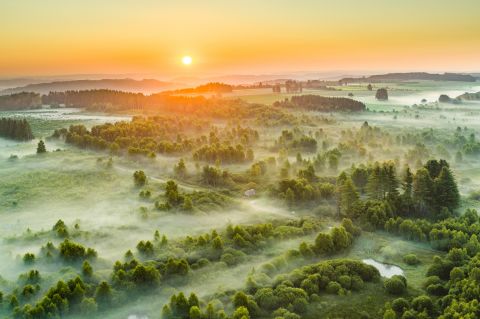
(386, 270)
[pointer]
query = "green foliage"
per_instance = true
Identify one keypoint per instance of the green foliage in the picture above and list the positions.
(396, 285)
(16, 129)
(411, 259)
(321, 103)
(41, 147)
(139, 178)
(381, 94)
(73, 252)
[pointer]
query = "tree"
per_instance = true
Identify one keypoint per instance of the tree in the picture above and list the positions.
(360, 178)
(87, 269)
(41, 147)
(423, 193)
(341, 238)
(369, 87)
(446, 191)
(180, 169)
(139, 178)
(187, 204)
(396, 285)
(172, 194)
(348, 197)
(103, 294)
(382, 94)
(323, 243)
(407, 184)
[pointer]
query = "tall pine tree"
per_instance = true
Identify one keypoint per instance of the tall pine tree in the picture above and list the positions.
(446, 191)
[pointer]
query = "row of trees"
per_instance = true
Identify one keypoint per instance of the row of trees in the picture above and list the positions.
(321, 103)
(16, 129)
(20, 101)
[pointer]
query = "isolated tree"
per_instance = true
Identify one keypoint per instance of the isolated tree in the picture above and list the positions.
(180, 169)
(139, 178)
(369, 87)
(382, 94)
(41, 147)
(443, 98)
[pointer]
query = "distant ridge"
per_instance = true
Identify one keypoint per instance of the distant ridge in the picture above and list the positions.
(130, 85)
(412, 76)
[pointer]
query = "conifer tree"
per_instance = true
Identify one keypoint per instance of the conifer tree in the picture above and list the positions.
(446, 191)
(41, 147)
(348, 196)
(423, 189)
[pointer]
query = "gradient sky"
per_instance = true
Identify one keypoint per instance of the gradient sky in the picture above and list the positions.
(52, 37)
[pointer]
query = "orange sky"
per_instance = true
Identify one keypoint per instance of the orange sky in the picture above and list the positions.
(52, 37)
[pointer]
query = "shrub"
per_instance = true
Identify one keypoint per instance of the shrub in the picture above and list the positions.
(395, 285)
(411, 259)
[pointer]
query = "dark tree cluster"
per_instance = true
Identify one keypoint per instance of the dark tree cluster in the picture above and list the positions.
(296, 141)
(16, 129)
(431, 192)
(322, 103)
(381, 94)
(221, 153)
(292, 86)
(20, 101)
(212, 87)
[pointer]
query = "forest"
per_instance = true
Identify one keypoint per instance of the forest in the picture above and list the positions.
(15, 129)
(310, 206)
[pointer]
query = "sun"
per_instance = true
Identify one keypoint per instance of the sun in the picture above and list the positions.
(187, 60)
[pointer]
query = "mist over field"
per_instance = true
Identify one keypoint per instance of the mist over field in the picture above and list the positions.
(121, 192)
(239, 159)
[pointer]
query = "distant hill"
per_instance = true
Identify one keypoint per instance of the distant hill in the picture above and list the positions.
(412, 76)
(130, 85)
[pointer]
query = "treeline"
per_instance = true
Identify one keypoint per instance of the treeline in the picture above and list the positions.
(225, 153)
(166, 135)
(16, 129)
(20, 101)
(469, 96)
(321, 103)
(411, 76)
(141, 136)
(212, 87)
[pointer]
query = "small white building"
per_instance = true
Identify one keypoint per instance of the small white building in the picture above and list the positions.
(250, 193)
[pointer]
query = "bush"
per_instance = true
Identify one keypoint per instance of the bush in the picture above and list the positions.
(411, 259)
(395, 285)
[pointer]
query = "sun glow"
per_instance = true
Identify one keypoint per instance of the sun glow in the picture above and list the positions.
(187, 60)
